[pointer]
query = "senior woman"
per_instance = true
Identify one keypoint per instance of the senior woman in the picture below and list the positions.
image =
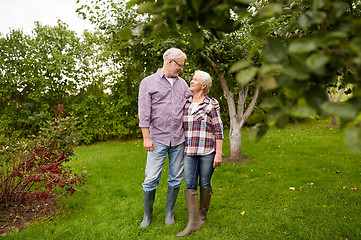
(203, 149)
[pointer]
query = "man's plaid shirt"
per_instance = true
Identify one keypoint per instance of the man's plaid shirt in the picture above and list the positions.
(202, 127)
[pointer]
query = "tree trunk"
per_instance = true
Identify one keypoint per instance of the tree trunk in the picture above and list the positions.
(235, 137)
(333, 121)
(331, 98)
(237, 115)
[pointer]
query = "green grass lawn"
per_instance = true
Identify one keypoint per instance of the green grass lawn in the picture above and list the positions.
(251, 200)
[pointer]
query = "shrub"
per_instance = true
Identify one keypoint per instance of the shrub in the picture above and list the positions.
(35, 168)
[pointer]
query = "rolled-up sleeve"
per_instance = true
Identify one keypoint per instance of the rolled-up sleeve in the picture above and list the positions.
(217, 124)
(144, 105)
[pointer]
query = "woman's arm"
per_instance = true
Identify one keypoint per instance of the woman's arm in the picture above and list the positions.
(218, 133)
(218, 157)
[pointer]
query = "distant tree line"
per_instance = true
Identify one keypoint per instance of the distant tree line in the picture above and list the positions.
(53, 71)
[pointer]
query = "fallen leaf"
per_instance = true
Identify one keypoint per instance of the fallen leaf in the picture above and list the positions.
(344, 187)
(242, 213)
(269, 173)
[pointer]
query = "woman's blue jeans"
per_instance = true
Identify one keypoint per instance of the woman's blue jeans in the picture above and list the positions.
(155, 162)
(198, 166)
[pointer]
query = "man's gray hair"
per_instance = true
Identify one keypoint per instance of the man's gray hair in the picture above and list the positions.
(173, 53)
(206, 79)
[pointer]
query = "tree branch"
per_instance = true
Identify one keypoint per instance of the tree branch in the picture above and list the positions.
(227, 93)
(220, 75)
(329, 94)
(241, 100)
(253, 103)
(340, 95)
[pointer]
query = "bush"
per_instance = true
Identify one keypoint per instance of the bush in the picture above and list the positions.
(34, 168)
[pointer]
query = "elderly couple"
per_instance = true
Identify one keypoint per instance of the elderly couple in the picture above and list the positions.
(184, 123)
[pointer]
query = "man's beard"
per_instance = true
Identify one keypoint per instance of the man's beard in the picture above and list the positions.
(175, 75)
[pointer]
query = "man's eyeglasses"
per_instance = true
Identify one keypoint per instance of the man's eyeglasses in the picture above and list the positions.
(178, 63)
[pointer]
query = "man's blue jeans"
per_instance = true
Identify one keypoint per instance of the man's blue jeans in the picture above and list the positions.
(155, 162)
(199, 165)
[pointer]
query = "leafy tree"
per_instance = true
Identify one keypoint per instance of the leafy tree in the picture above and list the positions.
(37, 73)
(305, 45)
(54, 67)
(232, 49)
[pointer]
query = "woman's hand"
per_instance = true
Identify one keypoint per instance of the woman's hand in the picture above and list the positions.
(217, 160)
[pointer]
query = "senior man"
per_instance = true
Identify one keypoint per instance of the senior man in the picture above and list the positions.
(161, 101)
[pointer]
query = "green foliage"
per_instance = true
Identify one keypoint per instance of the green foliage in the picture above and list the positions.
(52, 67)
(36, 168)
(256, 117)
(101, 116)
(35, 76)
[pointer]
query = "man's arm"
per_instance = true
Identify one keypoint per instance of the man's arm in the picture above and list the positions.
(144, 108)
(147, 141)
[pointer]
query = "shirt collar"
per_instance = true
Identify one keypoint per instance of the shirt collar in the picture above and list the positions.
(161, 74)
(206, 100)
